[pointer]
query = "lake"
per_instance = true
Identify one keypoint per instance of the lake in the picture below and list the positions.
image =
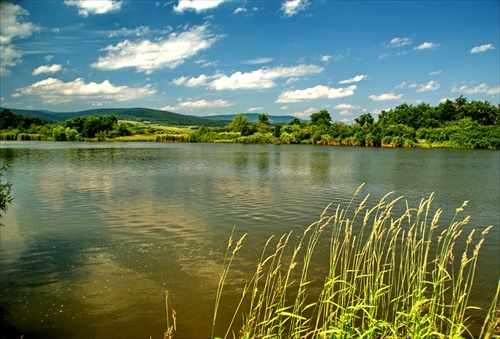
(98, 231)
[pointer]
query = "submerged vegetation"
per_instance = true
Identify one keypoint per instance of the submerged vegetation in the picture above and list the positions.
(388, 276)
(458, 123)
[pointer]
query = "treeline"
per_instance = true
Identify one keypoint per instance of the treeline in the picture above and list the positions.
(458, 123)
(18, 127)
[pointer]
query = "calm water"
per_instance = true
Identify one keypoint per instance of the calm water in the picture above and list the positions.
(98, 231)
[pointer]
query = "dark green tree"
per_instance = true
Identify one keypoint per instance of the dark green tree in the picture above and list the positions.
(321, 118)
(365, 119)
(239, 123)
(264, 119)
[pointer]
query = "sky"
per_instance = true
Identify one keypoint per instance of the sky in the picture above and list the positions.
(280, 57)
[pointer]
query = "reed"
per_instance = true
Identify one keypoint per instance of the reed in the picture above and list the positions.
(389, 276)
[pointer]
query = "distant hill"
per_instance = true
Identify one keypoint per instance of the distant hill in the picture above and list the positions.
(254, 118)
(134, 114)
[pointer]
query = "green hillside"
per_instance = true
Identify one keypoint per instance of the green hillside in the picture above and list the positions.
(254, 118)
(134, 114)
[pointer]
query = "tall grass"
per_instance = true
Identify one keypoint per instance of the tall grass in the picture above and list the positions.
(389, 276)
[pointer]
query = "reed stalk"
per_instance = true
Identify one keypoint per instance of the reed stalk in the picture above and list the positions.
(388, 277)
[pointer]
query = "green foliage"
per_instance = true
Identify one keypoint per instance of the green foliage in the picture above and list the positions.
(264, 119)
(321, 118)
(9, 120)
(456, 123)
(240, 123)
(365, 119)
(5, 190)
(388, 276)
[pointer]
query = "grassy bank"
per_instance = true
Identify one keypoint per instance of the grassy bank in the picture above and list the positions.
(388, 276)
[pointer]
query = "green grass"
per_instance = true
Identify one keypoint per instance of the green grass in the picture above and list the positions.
(389, 276)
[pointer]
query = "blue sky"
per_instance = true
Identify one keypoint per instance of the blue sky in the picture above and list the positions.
(280, 57)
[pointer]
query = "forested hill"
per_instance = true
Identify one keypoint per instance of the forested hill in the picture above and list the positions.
(253, 118)
(133, 114)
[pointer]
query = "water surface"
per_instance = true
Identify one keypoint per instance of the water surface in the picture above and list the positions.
(98, 231)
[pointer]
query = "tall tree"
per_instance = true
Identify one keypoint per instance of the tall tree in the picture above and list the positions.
(321, 118)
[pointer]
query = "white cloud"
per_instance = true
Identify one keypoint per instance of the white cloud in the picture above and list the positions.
(205, 104)
(9, 57)
(258, 61)
(426, 45)
(317, 92)
(54, 91)
(479, 89)
(482, 48)
(335, 58)
(436, 72)
(304, 114)
(191, 105)
(147, 56)
(386, 96)
(255, 109)
(345, 112)
(357, 78)
(13, 25)
(430, 86)
(292, 7)
(239, 10)
(86, 7)
(47, 69)
(346, 106)
(258, 79)
(193, 82)
(196, 5)
(400, 42)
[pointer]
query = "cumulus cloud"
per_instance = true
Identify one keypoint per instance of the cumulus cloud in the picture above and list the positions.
(292, 7)
(385, 96)
(430, 86)
(196, 5)
(317, 92)
(9, 57)
(400, 42)
(55, 91)
(13, 25)
(479, 89)
(426, 45)
(304, 114)
(86, 7)
(346, 106)
(258, 79)
(482, 48)
(47, 69)
(357, 78)
(147, 56)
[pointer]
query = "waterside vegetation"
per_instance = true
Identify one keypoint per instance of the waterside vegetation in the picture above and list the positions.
(389, 276)
(459, 124)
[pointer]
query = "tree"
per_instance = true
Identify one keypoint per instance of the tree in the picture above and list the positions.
(295, 121)
(239, 123)
(321, 118)
(5, 197)
(365, 119)
(264, 119)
